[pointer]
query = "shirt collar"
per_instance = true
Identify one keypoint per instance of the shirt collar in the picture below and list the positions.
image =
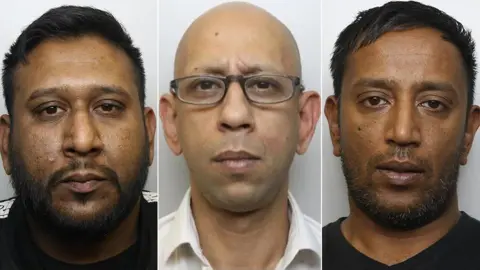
(183, 231)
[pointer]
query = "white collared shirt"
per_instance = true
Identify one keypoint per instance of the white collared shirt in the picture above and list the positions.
(179, 246)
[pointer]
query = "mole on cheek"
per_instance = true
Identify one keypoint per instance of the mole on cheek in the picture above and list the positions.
(359, 128)
(216, 33)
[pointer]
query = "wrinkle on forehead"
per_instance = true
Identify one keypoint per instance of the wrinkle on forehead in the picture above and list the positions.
(237, 35)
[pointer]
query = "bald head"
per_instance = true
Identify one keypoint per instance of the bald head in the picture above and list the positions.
(237, 38)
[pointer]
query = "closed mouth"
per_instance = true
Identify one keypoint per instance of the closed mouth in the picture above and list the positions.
(401, 167)
(235, 156)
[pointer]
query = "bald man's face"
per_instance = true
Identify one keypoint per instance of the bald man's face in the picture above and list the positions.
(238, 153)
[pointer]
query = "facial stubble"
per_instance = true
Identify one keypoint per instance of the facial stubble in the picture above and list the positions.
(36, 198)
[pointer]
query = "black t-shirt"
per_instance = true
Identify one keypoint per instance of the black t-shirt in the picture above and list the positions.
(126, 260)
(18, 252)
(459, 249)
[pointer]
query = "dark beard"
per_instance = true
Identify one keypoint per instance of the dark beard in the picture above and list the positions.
(35, 196)
(434, 202)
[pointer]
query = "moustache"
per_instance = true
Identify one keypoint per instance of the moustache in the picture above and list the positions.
(402, 154)
(238, 142)
(62, 175)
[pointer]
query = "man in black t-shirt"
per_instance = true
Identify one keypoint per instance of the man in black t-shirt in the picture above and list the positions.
(77, 142)
(402, 120)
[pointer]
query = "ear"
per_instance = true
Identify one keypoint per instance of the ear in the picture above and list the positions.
(472, 125)
(151, 127)
(332, 107)
(168, 115)
(309, 106)
(5, 142)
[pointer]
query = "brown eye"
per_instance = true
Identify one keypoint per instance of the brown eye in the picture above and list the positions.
(263, 85)
(374, 102)
(48, 113)
(433, 105)
(107, 107)
(206, 84)
(51, 110)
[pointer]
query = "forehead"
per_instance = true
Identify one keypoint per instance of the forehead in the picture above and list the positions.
(75, 63)
(408, 57)
(233, 43)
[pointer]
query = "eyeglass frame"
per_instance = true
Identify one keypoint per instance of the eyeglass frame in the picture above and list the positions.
(241, 79)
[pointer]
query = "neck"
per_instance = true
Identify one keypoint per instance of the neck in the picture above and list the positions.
(391, 246)
(72, 252)
(253, 240)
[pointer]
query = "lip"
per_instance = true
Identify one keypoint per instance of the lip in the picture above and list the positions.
(235, 155)
(401, 173)
(237, 162)
(82, 181)
(400, 167)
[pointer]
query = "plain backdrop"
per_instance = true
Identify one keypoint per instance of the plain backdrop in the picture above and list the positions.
(302, 18)
(336, 16)
(140, 21)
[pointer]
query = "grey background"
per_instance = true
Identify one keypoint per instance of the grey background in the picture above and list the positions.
(139, 20)
(336, 16)
(302, 18)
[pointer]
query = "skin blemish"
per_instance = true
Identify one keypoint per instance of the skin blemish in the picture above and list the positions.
(359, 128)
(216, 33)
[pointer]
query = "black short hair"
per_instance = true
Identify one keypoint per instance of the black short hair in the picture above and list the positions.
(371, 24)
(69, 22)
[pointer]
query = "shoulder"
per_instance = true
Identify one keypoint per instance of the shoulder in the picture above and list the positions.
(150, 197)
(313, 225)
(5, 207)
(164, 224)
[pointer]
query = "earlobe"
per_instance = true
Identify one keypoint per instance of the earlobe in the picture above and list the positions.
(5, 126)
(151, 127)
(332, 114)
(168, 116)
(473, 123)
(309, 115)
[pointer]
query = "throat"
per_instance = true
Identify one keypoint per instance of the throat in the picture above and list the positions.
(253, 240)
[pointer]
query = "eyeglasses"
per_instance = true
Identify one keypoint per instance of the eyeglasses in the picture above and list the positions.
(209, 90)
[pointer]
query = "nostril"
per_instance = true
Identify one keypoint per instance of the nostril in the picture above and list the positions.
(226, 126)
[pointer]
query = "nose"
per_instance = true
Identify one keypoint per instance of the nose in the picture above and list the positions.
(82, 137)
(235, 111)
(402, 128)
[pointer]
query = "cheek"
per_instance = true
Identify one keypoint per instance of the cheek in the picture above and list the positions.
(196, 131)
(278, 131)
(40, 151)
(442, 142)
(122, 149)
(360, 137)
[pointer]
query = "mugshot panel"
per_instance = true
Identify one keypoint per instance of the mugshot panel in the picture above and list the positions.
(139, 21)
(303, 20)
(335, 18)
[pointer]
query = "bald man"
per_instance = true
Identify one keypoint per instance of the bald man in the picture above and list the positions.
(238, 113)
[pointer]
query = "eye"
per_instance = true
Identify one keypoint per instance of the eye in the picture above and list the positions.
(433, 105)
(49, 112)
(109, 108)
(264, 84)
(374, 102)
(206, 84)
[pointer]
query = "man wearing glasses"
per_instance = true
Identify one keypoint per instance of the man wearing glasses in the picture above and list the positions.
(238, 113)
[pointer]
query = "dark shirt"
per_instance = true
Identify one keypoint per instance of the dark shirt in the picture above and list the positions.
(18, 252)
(459, 249)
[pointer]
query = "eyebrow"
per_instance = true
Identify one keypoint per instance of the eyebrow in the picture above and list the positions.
(388, 84)
(104, 89)
(375, 83)
(222, 69)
